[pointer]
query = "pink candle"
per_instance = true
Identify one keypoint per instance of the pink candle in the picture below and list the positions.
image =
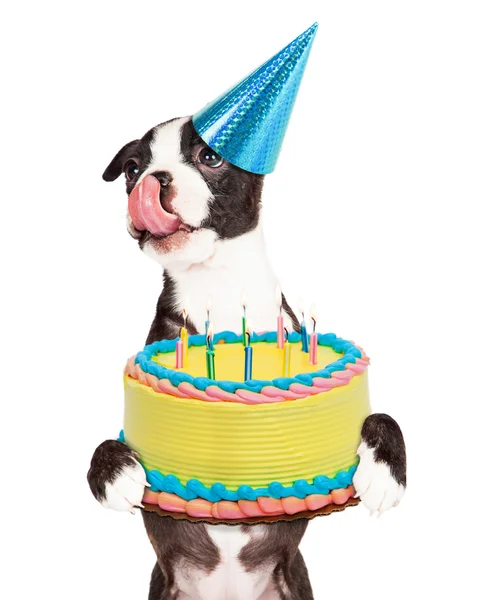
(313, 349)
(280, 332)
(313, 342)
(280, 327)
(179, 354)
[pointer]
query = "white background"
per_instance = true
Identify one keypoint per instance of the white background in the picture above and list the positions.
(371, 213)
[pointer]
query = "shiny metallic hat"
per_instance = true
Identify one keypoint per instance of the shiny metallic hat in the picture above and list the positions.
(246, 125)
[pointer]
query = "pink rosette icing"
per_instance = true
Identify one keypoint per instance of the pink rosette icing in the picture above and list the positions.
(243, 509)
(216, 392)
(255, 398)
(272, 392)
(192, 392)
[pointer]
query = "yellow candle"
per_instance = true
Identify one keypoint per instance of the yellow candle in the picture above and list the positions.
(286, 355)
(184, 339)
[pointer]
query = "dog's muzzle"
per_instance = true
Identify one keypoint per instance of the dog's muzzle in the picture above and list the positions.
(146, 211)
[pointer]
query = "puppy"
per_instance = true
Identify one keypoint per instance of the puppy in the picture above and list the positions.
(201, 221)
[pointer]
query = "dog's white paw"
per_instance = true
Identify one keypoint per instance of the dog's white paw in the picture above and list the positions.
(126, 491)
(374, 483)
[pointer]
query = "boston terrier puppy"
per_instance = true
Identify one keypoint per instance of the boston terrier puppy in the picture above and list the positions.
(200, 218)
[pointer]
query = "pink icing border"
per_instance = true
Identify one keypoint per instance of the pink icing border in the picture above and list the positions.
(262, 507)
(269, 394)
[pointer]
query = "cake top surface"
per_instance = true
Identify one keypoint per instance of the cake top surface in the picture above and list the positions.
(338, 360)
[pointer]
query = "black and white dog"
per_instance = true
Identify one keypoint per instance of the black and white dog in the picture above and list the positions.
(216, 249)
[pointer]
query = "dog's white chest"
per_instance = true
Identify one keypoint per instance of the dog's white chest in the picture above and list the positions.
(238, 273)
(230, 580)
(207, 286)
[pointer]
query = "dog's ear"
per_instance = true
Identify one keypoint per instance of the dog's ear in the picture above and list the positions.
(115, 168)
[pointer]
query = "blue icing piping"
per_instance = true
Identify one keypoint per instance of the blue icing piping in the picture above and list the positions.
(247, 492)
(231, 386)
(144, 359)
(326, 339)
(335, 366)
(284, 383)
(305, 379)
(201, 383)
(321, 373)
(195, 489)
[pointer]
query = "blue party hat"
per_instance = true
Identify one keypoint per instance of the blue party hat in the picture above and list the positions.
(246, 125)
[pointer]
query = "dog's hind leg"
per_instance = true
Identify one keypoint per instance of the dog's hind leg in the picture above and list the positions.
(292, 581)
(157, 585)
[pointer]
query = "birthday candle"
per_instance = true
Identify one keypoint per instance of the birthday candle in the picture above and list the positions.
(208, 310)
(304, 332)
(179, 354)
(286, 355)
(243, 320)
(280, 323)
(184, 337)
(313, 343)
(210, 354)
(248, 358)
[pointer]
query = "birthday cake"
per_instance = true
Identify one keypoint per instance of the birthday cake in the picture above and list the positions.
(248, 442)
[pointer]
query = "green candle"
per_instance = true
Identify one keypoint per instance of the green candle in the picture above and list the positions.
(210, 354)
(243, 320)
(210, 364)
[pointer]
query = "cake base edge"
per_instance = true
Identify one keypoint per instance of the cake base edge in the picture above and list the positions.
(322, 512)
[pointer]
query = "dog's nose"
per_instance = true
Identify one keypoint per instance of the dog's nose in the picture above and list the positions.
(163, 177)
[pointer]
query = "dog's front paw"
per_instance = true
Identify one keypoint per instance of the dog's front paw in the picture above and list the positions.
(374, 483)
(380, 479)
(116, 478)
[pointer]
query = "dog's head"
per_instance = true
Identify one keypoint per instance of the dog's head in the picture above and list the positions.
(183, 197)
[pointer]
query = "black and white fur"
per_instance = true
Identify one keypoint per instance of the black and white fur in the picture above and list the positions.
(218, 252)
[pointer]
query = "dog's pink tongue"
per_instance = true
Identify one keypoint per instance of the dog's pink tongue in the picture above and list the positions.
(146, 211)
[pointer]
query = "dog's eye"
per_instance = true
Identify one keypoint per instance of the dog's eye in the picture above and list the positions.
(209, 158)
(131, 170)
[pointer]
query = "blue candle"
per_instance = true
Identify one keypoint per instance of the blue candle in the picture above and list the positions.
(304, 336)
(248, 359)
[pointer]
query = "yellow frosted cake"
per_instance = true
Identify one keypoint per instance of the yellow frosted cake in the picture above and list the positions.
(278, 439)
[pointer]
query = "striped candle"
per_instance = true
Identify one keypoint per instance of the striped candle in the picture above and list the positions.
(248, 358)
(210, 354)
(304, 336)
(304, 331)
